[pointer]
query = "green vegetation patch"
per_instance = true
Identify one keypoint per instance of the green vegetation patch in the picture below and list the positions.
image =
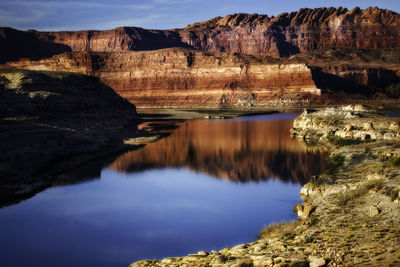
(395, 161)
(340, 142)
(337, 162)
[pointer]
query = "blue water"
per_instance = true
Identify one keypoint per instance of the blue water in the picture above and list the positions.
(126, 217)
(123, 217)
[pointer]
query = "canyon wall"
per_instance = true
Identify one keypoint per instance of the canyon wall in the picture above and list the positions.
(179, 77)
(297, 32)
(186, 78)
(233, 61)
(365, 80)
(287, 34)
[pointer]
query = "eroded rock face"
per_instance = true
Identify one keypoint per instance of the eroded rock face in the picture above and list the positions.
(284, 35)
(352, 122)
(187, 78)
(179, 77)
(224, 74)
(301, 31)
(35, 45)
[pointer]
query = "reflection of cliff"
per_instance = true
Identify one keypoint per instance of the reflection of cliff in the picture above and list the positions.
(233, 150)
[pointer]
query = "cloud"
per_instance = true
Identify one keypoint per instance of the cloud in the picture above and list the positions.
(9, 17)
(174, 1)
(53, 15)
(79, 4)
(110, 24)
(73, 15)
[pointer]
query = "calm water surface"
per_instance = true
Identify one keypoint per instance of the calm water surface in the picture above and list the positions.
(209, 185)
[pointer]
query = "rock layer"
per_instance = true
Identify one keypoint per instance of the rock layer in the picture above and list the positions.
(235, 67)
(187, 78)
(297, 32)
(284, 35)
(178, 77)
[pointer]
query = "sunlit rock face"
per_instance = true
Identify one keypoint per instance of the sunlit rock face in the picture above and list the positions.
(231, 150)
(296, 32)
(186, 78)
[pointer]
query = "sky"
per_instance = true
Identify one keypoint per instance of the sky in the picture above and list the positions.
(53, 15)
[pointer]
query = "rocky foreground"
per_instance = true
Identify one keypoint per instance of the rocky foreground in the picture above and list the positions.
(350, 214)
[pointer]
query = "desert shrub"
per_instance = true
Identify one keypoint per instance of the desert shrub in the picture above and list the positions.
(395, 161)
(284, 229)
(340, 142)
(309, 239)
(337, 162)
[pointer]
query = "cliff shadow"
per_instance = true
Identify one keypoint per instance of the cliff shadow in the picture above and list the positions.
(366, 82)
(144, 40)
(21, 44)
(53, 123)
(285, 48)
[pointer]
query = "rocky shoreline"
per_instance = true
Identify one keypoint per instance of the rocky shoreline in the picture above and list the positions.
(350, 214)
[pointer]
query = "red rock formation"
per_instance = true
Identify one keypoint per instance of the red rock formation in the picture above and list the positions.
(301, 31)
(178, 77)
(181, 77)
(284, 35)
(187, 78)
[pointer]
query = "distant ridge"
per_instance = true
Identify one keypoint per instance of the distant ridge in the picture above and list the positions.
(302, 17)
(281, 36)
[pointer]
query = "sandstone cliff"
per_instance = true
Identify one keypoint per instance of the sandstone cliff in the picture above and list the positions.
(284, 35)
(178, 77)
(229, 61)
(297, 32)
(187, 78)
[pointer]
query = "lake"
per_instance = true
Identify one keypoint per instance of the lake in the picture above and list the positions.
(208, 185)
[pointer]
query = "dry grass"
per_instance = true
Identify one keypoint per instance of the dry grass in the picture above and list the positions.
(141, 140)
(278, 230)
(350, 195)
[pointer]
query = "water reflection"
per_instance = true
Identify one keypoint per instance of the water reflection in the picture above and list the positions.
(242, 149)
(171, 211)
